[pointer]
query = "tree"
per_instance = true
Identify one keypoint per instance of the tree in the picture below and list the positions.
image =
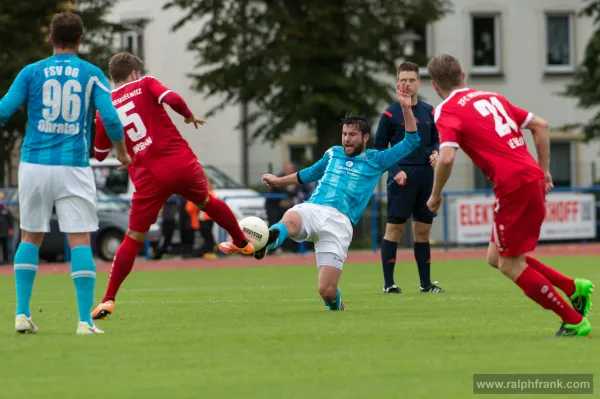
(300, 61)
(24, 29)
(586, 80)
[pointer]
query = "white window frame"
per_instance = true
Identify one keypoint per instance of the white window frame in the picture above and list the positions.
(135, 35)
(496, 69)
(428, 48)
(560, 68)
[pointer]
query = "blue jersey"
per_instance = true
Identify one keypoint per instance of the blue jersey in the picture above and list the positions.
(60, 91)
(347, 183)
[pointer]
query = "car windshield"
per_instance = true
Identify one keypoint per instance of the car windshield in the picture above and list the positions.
(116, 181)
(219, 179)
(108, 201)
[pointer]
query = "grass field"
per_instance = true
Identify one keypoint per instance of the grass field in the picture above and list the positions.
(264, 333)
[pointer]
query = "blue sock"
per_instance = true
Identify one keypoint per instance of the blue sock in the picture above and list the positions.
(83, 273)
(26, 265)
(423, 258)
(388, 261)
(335, 304)
(283, 234)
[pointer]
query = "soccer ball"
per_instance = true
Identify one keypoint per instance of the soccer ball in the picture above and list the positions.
(256, 231)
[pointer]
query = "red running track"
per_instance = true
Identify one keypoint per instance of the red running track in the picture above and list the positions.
(309, 259)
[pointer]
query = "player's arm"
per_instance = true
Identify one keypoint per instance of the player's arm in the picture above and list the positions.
(541, 138)
(103, 103)
(383, 137)
(449, 129)
(102, 143)
(411, 139)
(443, 169)
(164, 95)
(110, 117)
(306, 175)
(16, 95)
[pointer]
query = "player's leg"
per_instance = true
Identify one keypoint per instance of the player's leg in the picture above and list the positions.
(334, 233)
(422, 252)
(578, 290)
(422, 223)
(35, 206)
(389, 247)
(540, 289)
(145, 206)
(194, 187)
(222, 215)
(75, 201)
(329, 278)
(516, 228)
(290, 226)
(399, 208)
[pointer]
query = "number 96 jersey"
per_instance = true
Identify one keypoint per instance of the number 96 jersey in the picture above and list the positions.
(487, 127)
(153, 141)
(61, 92)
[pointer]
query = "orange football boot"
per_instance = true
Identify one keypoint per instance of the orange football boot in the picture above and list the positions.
(103, 310)
(229, 248)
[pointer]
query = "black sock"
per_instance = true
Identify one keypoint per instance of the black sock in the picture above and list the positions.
(388, 261)
(423, 258)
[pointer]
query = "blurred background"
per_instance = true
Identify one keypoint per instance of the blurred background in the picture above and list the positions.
(273, 79)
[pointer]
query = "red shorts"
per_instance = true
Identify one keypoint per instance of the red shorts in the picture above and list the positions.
(151, 193)
(518, 219)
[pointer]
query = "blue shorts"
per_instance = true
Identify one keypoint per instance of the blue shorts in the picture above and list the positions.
(411, 199)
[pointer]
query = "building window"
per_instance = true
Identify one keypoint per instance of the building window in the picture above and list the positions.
(422, 48)
(132, 40)
(486, 44)
(300, 155)
(560, 163)
(559, 43)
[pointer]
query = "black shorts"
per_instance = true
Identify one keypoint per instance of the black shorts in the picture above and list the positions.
(411, 199)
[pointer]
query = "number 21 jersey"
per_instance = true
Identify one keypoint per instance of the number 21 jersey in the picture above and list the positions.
(153, 141)
(487, 127)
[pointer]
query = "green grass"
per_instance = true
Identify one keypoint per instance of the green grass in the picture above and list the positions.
(264, 333)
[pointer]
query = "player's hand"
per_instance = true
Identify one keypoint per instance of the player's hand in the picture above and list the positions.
(270, 180)
(433, 158)
(125, 160)
(548, 182)
(434, 202)
(401, 178)
(195, 120)
(403, 93)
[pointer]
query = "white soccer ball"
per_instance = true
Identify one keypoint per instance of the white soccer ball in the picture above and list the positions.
(256, 231)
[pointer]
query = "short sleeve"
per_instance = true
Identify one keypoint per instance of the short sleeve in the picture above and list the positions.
(448, 127)
(158, 90)
(521, 116)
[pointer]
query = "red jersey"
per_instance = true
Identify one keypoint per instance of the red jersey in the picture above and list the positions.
(488, 129)
(153, 141)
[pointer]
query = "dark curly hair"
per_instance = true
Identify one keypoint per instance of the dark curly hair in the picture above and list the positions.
(357, 120)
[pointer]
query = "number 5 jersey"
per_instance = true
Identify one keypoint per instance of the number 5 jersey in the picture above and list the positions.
(153, 141)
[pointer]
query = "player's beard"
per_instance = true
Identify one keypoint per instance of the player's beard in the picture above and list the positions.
(358, 149)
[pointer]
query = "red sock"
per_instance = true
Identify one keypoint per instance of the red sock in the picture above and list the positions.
(218, 211)
(566, 284)
(538, 288)
(121, 266)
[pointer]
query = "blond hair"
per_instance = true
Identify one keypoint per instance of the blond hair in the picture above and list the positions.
(446, 71)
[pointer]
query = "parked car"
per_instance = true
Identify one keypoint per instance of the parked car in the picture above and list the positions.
(243, 201)
(113, 215)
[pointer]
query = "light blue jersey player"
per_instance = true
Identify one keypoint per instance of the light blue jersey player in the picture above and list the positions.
(346, 177)
(60, 92)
